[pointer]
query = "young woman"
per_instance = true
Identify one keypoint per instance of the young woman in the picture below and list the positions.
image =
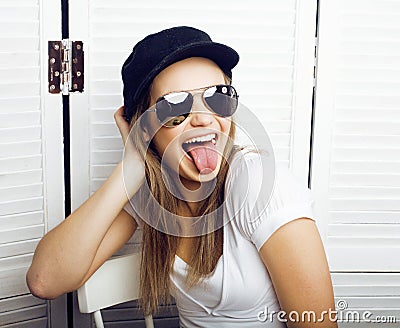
(230, 256)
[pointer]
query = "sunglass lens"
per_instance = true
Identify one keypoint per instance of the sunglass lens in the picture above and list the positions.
(174, 108)
(222, 99)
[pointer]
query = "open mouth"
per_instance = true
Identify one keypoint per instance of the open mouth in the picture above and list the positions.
(202, 151)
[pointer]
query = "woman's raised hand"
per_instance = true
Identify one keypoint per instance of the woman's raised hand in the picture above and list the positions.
(123, 127)
(133, 161)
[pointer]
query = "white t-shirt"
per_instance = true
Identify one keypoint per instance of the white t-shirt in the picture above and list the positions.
(239, 292)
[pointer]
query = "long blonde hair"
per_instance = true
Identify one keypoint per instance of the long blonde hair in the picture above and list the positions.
(159, 248)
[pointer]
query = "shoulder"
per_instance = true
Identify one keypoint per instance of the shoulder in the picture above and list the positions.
(260, 198)
(248, 171)
(254, 174)
(290, 192)
(250, 176)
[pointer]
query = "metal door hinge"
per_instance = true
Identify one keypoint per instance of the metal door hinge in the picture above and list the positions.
(66, 66)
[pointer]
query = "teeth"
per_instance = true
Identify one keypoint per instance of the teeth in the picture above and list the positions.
(209, 137)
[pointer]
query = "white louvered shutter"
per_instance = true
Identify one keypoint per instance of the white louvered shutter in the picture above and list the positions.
(31, 175)
(274, 78)
(356, 160)
(356, 152)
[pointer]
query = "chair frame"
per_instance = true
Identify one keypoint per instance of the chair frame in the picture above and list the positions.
(115, 282)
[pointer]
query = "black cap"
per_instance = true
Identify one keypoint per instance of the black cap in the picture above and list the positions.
(157, 51)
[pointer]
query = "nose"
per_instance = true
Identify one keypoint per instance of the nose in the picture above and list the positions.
(200, 114)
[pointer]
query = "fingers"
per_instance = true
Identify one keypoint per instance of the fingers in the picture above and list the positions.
(122, 124)
(119, 117)
(131, 152)
(119, 114)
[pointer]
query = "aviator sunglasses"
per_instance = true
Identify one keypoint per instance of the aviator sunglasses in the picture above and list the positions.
(175, 107)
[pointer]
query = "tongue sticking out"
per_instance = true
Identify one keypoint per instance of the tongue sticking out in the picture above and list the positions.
(205, 156)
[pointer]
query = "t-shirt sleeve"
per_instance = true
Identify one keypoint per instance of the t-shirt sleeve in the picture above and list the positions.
(258, 211)
(129, 209)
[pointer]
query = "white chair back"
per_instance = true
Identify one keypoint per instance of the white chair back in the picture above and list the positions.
(115, 282)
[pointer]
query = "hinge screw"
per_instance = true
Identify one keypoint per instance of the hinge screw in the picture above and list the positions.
(56, 73)
(78, 73)
(75, 86)
(52, 60)
(52, 87)
(75, 60)
(78, 46)
(56, 46)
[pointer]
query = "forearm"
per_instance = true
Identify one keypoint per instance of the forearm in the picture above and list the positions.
(65, 254)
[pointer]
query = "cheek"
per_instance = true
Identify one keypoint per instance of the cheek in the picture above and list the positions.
(225, 124)
(168, 150)
(162, 141)
(158, 142)
(158, 135)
